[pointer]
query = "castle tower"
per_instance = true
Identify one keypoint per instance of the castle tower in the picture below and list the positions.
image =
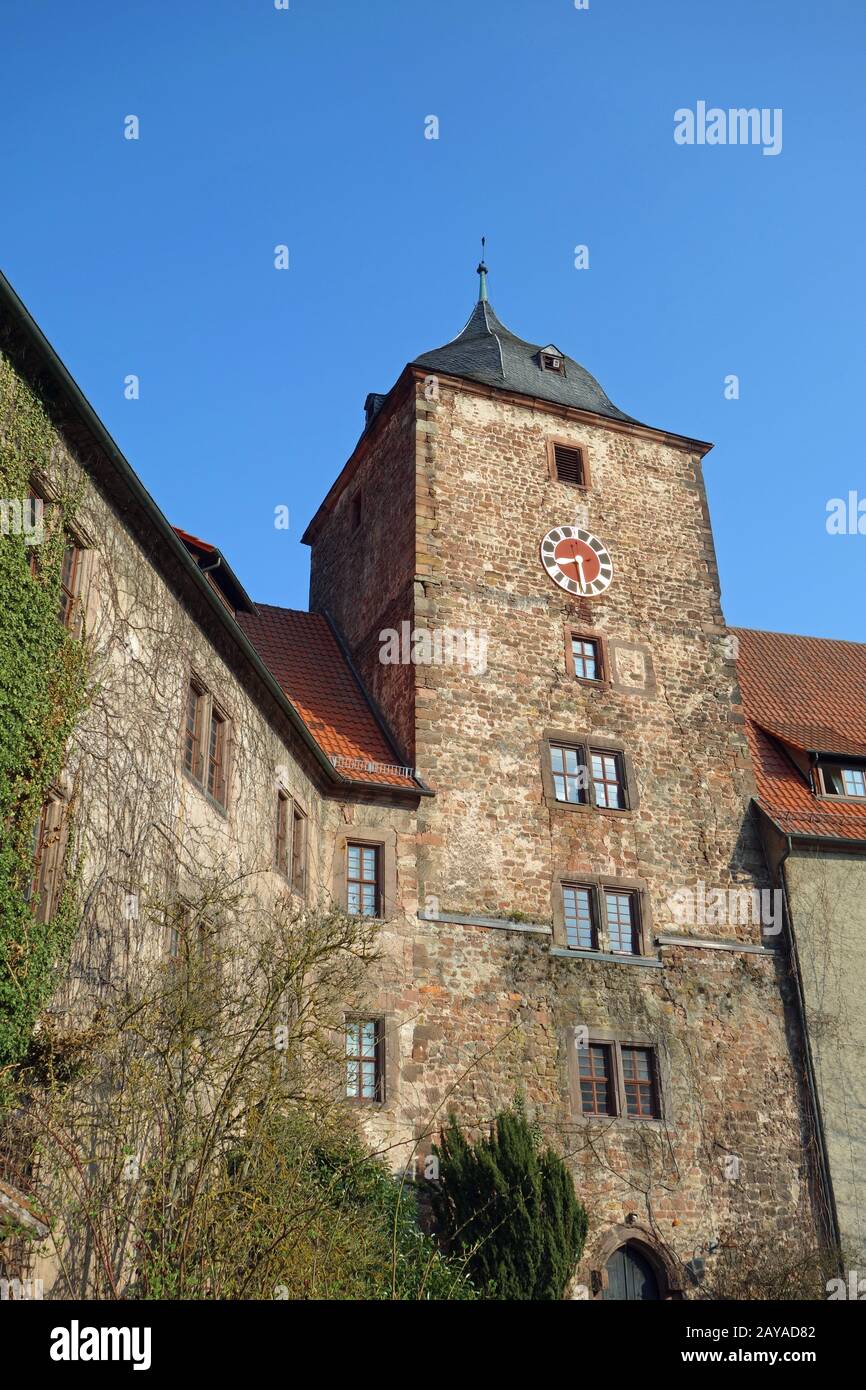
(589, 932)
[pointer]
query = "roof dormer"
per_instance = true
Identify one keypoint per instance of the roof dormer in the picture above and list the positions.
(550, 359)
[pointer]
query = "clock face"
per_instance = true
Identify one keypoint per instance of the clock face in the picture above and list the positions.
(576, 561)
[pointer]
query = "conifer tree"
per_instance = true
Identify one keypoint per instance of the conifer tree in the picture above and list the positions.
(507, 1205)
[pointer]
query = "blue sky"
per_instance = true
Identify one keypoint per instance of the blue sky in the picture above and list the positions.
(306, 127)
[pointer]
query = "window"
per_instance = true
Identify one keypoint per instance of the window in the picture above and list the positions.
(607, 780)
(596, 1088)
(357, 511)
(196, 706)
(364, 1059)
(568, 464)
(299, 851)
(49, 836)
(363, 880)
(621, 912)
(70, 580)
(281, 858)
(599, 916)
(580, 925)
(638, 1071)
(836, 780)
(551, 362)
(578, 774)
(585, 661)
(618, 1080)
(206, 742)
(569, 773)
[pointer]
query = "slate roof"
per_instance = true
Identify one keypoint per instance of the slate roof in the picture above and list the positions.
(803, 695)
(488, 352)
(303, 654)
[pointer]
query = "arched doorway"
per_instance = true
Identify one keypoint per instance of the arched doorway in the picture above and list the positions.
(630, 1275)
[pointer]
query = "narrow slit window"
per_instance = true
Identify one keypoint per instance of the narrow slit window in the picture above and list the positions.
(299, 851)
(70, 579)
(282, 835)
(216, 761)
(195, 712)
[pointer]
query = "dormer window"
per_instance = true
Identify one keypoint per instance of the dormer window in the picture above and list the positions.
(552, 359)
(840, 779)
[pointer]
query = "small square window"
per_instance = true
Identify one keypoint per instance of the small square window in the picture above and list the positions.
(550, 362)
(581, 933)
(364, 1069)
(586, 658)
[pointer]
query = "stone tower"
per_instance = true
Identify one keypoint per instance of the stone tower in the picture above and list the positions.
(587, 931)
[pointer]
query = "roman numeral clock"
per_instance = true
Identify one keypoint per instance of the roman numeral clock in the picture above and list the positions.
(577, 561)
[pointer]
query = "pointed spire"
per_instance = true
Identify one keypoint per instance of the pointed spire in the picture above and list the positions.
(482, 273)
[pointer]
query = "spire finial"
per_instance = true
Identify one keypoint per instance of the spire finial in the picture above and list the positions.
(482, 273)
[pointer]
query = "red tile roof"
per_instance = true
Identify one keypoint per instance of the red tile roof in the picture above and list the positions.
(803, 695)
(305, 658)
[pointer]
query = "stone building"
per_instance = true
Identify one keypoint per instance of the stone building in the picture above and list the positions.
(510, 731)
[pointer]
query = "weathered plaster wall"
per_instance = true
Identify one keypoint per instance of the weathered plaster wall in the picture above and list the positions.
(827, 896)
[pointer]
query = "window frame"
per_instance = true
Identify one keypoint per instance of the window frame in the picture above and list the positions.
(600, 886)
(829, 764)
(298, 854)
(364, 848)
(577, 446)
(51, 830)
(602, 1037)
(581, 634)
(586, 745)
(379, 1059)
(210, 709)
(281, 835)
(386, 839)
(217, 715)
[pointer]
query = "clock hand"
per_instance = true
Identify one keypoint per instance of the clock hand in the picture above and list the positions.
(578, 560)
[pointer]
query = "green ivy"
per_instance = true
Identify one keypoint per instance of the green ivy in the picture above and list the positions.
(42, 693)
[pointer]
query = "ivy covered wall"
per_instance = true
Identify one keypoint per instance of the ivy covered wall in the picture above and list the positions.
(42, 693)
